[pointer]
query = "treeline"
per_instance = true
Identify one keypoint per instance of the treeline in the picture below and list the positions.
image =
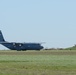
(69, 48)
(54, 48)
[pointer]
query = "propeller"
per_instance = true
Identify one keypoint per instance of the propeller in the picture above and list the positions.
(17, 44)
(14, 44)
(42, 43)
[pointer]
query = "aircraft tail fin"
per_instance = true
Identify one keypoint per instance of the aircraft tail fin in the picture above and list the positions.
(1, 37)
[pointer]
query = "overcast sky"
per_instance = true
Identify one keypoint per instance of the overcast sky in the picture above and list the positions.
(50, 21)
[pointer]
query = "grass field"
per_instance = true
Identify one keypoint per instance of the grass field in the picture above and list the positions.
(53, 62)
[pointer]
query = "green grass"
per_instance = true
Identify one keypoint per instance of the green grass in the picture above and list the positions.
(38, 63)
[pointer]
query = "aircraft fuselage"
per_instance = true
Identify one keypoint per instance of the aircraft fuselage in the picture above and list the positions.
(19, 46)
(22, 46)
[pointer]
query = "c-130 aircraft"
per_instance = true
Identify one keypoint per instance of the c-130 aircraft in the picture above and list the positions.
(20, 46)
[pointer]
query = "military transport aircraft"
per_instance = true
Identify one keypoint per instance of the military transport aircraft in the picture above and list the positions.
(19, 46)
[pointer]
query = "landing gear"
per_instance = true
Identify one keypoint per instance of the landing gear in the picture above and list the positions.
(23, 50)
(18, 50)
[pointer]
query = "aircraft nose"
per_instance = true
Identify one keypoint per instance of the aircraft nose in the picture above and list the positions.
(42, 47)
